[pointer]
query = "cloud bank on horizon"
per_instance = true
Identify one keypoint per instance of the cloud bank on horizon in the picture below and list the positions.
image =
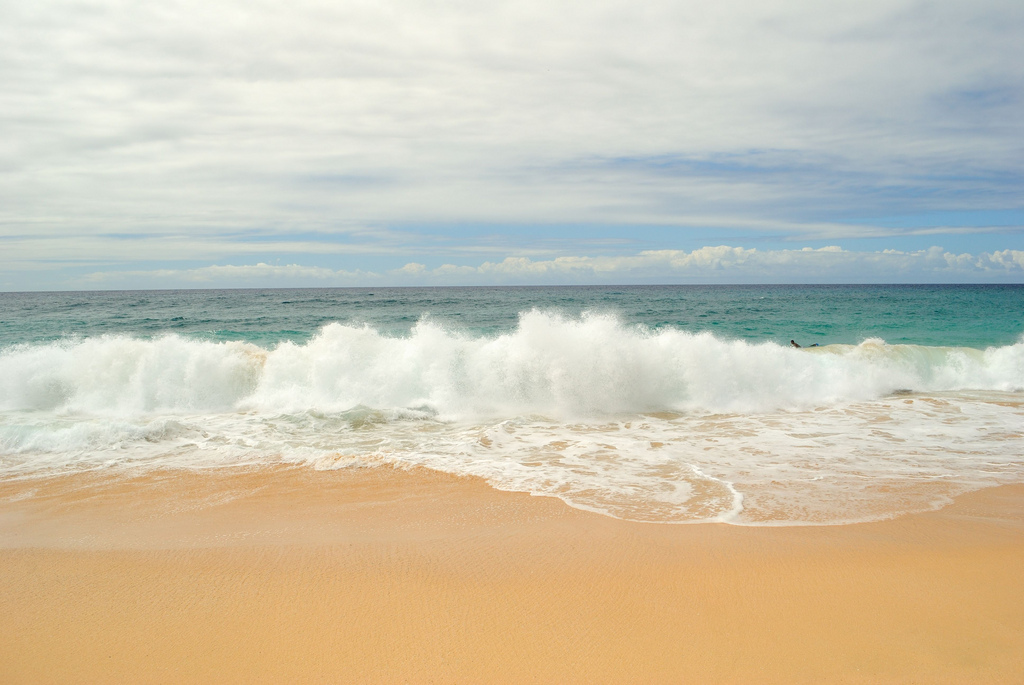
(191, 143)
(706, 265)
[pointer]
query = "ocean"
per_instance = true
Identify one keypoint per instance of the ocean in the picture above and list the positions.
(669, 404)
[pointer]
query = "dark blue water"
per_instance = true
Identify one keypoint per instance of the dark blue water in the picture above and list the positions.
(946, 315)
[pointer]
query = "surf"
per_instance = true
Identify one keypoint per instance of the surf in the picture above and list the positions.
(550, 365)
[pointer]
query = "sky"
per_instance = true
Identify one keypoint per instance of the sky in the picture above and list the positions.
(214, 143)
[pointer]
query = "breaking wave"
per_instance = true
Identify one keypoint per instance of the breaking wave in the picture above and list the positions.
(652, 425)
(549, 365)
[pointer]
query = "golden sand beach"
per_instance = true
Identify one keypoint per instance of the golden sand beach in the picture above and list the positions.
(389, 576)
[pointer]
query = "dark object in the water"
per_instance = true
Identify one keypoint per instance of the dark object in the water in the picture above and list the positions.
(793, 343)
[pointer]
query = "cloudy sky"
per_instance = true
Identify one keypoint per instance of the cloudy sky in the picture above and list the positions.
(212, 143)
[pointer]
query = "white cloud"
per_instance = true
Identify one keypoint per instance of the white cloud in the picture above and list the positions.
(229, 275)
(713, 264)
(187, 115)
(736, 264)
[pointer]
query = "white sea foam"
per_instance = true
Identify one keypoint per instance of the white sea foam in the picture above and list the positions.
(549, 365)
(650, 425)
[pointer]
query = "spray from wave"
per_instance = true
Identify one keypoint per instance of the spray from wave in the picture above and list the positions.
(550, 366)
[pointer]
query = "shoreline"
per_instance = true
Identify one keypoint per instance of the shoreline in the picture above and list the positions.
(383, 575)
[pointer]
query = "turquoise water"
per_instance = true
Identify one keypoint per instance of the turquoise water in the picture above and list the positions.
(670, 404)
(949, 315)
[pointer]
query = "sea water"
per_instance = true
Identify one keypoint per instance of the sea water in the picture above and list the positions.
(667, 403)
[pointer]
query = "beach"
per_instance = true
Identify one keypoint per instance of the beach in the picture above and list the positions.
(559, 343)
(507, 485)
(289, 574)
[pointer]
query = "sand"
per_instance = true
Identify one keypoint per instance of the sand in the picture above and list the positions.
(379, 575)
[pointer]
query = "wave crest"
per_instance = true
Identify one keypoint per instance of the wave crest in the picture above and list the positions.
(549, 365)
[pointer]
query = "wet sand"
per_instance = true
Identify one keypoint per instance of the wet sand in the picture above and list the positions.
(378, 575)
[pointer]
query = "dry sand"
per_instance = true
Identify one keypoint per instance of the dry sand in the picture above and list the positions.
(377, 575)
